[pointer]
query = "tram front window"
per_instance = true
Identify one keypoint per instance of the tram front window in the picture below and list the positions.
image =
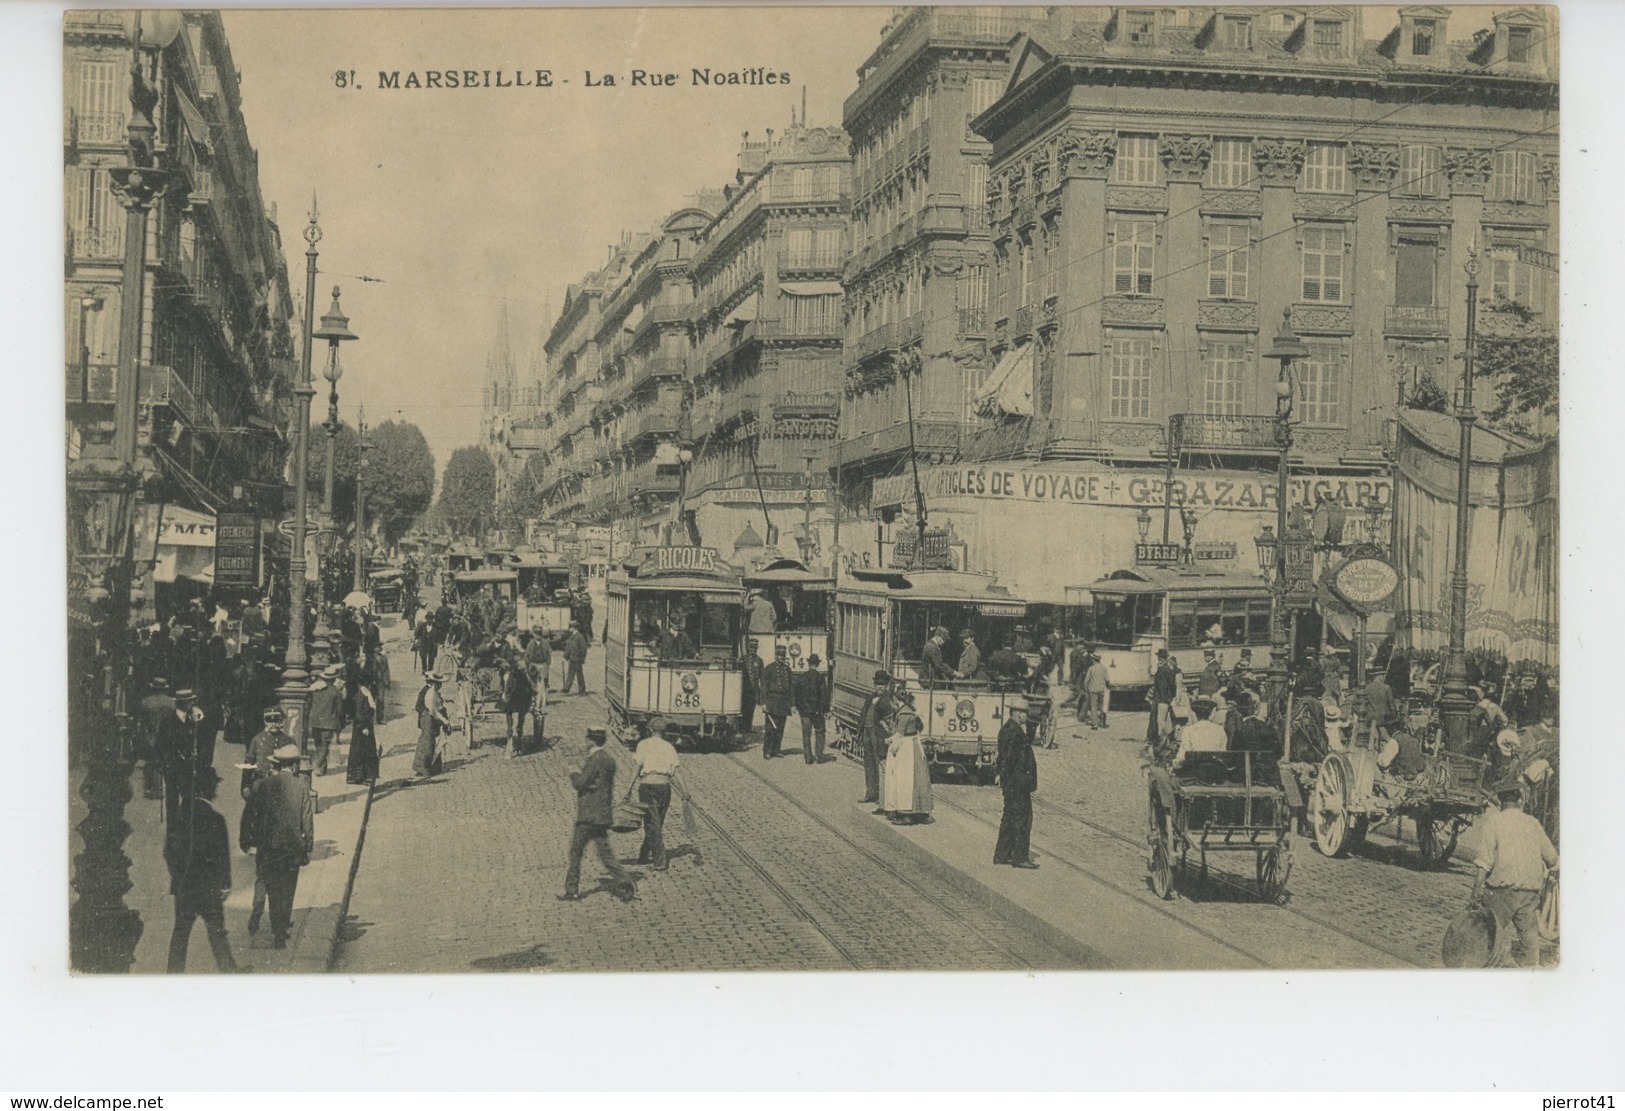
(1120, 620)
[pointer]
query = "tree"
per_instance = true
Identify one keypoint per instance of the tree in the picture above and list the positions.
(1518, 356)
(524, 500)
(468, 491)
(400, 477)
(346, 450)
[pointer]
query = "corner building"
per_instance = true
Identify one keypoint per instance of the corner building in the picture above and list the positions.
(1163, 184)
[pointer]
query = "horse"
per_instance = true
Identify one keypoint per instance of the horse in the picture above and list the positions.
(516, 698)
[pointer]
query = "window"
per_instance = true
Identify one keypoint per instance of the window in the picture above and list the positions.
(1240, 621)
(101, 119)
(801, 183)
(1323, 263)
(1420, 172)
(817, 315)
(1328, 38)
(1283, 22)
(98, 220)
(983, 92)
(1223, 367)
(1512, 176)
(798, 247)
(1228, 246)
(1136, 162)
(1519, 41)
(1512, 276)
(1416, 268)
(1236, 32)
(1320, 378)
(1133, 250)
(973, 300)
(1026, 276)
(1232, 164)
(976, 195)
(1325, 168)
(1130, 377)
(1423, 32)
(1140, 27)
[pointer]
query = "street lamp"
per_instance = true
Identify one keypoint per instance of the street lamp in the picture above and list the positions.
(1286, 348)
(335, 330)
(1142, 520)
(91, 301)
(1187, 520)
(360, 497)
(1454, 702)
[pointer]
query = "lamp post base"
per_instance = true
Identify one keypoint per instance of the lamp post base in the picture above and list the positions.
(102, 931)
(294, 698)
(1455, 702)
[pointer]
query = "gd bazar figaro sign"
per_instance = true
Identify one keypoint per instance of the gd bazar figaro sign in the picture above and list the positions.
(1207, 490)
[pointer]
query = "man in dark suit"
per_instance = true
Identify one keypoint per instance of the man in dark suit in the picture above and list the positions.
(1018, 779)
(777, 695)
(178, 747)
(595, 804)
(326, 713)
(279, 824)
(575, 657)
(1159, 731)
(935, 670)
(810, 691)
(152, 711)
(872, 733)
(197, 849)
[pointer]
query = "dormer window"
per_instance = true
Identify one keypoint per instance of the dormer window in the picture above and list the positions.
(1140, 27)
(1424, 32)
(1328, 38)
(1283, 23)
(1519, 40)
(1236, 32)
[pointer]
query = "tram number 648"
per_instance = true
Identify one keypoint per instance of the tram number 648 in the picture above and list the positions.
(955, 725)
(686, 701)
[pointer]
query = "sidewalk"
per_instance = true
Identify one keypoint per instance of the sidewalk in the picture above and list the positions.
(324, 884)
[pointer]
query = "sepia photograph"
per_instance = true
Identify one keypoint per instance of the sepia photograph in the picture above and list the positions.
(812, 489)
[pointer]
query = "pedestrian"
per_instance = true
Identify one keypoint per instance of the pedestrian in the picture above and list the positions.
(1310, 681)
(326, 712)
(753, 682)
(777, 701)
(197, 849)
(595, 794)
(1251, 733)
(810, 691)
(1487, 720)
(1159, 730)
(1514, 860)
(1209, 682)
(178, 748)
(152, 712)
(575, 658)
(1005, 667)
(874, 727)
(906, 787)
(279, 826)
(1097, 688)
(362, 766)
(1018, 779)
(539, 658)
(657, 771)
(432, 722)
(1380, 706)
(258, 763)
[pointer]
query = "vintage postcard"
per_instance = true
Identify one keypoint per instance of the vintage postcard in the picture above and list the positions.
(812, 489)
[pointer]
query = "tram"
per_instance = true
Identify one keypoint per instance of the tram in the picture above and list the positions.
(882, 622)
(545, 596)
(676, 627)
(792, 607)
(1184, 610)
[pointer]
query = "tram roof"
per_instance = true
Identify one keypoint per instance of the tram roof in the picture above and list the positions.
(787, 572)
(969, 587)
(671, 583)
(1182, 580)
(485, 575)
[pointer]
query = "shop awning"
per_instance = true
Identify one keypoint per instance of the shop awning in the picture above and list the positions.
(1009, 389)
(746, 311)
(196, 125)
(810, 289)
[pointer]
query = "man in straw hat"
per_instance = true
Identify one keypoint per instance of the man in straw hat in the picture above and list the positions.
(326, 712)
(1514, 858)
(1018, 778)
(279, 825)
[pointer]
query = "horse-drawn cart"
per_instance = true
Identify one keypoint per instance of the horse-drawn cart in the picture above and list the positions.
(1352, 794)
(1219, 802)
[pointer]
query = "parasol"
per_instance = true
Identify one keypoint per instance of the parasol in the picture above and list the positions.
(358, 599)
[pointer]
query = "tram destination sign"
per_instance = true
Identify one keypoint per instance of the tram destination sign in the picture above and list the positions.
(678, 559)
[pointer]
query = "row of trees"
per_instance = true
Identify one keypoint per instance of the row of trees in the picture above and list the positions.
(468, 502)
(400, 474)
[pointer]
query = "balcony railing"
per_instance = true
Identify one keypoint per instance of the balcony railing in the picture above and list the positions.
(877, 340)
(208, 84)
(654, 422)
(1411, 320)
(647, 478)
(102, 127)
(96, 243)
(823, 260)
(96, 383)
(160, 385)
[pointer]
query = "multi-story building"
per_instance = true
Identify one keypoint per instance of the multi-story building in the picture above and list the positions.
(766, 367)
(917, 276)
(1164, 184)
(569, 393)
(216, 358)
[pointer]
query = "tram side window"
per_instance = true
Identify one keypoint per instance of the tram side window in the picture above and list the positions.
(811, 610)
(1258, 621)
(719, 626)
(1182, 624)
(1114, 620)
(1216, 622)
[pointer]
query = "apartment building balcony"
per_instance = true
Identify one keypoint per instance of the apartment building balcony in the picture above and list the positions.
(657, 366)
(930, 436)
(829, 331)
(876, 341)
(1416, 320)
(654, 421)
(737, 407)
(648, 479)
(96, 244)
(159, 385)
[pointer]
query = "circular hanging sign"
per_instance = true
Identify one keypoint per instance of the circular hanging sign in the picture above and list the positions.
(1367, 581)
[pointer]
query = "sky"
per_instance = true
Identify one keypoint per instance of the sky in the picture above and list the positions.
(466, 200)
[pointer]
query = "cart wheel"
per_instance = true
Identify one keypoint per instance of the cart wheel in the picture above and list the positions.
(1162, 858)
(1274, 866)
(1329, 806)
(1046, 732)
(1435, 840)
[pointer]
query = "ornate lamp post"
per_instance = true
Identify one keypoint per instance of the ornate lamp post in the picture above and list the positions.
(294, 693)
(335, 330)
(1142, 521)
(1454, 702)
(102, 931)
(1286, 348)
(360, 497)
(1188, 522)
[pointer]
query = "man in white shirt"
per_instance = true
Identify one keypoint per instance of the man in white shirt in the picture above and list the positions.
(657, 767)
(1203, 734)
(1514, 858)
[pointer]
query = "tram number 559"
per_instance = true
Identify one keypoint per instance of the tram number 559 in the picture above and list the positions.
(689, 701)
(955, 725)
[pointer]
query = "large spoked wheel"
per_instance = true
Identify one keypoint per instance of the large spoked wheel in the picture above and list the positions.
(1161, 865)
(1046, 732)
(1274, 866)
(1435, 839)
(465, 707)
(1329, 807)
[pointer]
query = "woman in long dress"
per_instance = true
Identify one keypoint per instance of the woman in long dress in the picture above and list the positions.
(905, 793)
(432, 720)
(363, 763)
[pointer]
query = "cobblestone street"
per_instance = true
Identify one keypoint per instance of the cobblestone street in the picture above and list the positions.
(777, 867)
